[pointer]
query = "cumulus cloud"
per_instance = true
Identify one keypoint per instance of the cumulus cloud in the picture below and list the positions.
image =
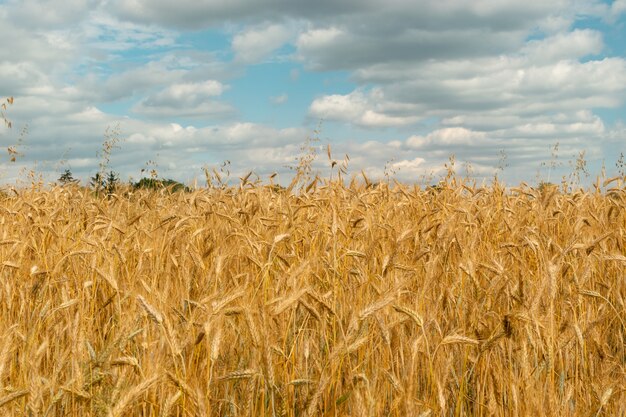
(186, 100)
(58, 13)
(110, 35)
(126, 84)
(253, 45)
(430, 79)
(413, 167)
(518, 87)
(190, 14)
(618, 7)
(247, 145)
(365, 109)
(570, 45)
(194, 14)
(515, 102)
(208, 110)
(34, 49)
(190, 92)
(332, 48)
(452, 136)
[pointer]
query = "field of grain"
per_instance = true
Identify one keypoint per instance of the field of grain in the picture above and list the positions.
(343, 300)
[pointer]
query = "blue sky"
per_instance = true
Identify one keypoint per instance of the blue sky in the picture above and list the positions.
(399, 84)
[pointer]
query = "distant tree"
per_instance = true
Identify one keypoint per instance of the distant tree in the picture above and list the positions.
(97, 182)
(111, 182)
(175, 186)
(67, 177)
(148, 183)
(155, 184)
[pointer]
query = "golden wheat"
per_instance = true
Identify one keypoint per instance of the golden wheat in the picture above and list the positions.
(341, 300)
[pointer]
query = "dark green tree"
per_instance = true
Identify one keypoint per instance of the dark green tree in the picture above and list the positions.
(106, 184)
(67, 177)
(156, 184)
(97, 182)
(111, 182)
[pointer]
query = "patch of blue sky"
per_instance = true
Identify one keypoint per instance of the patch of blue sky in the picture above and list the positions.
(120, 108)
(131, 54)
(613, 35)
(252, 93)
(611, 116)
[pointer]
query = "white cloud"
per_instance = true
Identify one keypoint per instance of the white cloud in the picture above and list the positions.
(58, 13)
(135, 81)
(104, 32)
(156, 74)
(253, 45)
(375, 119)
(496, 93)
(569, 45)
(186, 100)
(453, 136)
(459, 77)
(189, 93)
(414, 166)
(281, 99)
(340, 107)
(193, 14)
(37, 49)
(207, 110)
(338, 49)
(364, 109)
(319, 38)
(618, 7)
(579, 126)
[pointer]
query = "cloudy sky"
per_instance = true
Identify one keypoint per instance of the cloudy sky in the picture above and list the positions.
(393, 83)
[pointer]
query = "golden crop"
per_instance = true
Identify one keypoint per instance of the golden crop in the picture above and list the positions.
(340, 301)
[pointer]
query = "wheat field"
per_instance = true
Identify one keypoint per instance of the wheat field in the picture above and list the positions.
(337, 300)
